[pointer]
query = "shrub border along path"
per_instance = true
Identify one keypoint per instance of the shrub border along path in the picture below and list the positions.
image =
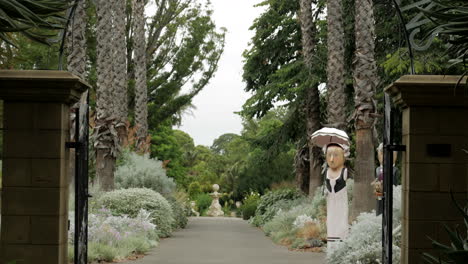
(224, 241)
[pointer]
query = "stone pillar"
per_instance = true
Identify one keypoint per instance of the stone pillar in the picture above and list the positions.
(435, 132)
(34, 220)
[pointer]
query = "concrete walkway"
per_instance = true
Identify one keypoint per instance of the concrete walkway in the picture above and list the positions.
(224, 241)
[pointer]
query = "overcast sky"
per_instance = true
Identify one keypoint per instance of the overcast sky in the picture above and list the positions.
(217, 102)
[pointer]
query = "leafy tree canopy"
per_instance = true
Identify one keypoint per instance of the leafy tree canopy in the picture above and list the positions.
(184, 47)
(165, 146)
(220, 144)
(273, 69)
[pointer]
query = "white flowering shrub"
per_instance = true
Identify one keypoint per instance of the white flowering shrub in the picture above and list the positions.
(271, 202)
(302, 220)
(363, 245)
(116, 237)
(284, 224)
(131, 201)
(281, 205)
(141, 171)
(285, 220)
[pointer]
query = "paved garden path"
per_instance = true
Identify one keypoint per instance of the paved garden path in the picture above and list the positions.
(224, 241)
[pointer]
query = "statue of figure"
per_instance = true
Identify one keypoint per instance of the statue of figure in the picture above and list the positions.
(379, 176)
(215, 208)
(337, 198)
(335, 144)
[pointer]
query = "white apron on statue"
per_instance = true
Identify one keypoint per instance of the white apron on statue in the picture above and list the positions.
(337, 209)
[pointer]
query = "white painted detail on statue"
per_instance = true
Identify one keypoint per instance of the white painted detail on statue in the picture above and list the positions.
(335, 144)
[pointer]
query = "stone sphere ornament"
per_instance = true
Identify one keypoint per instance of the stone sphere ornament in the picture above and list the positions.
(215, 187)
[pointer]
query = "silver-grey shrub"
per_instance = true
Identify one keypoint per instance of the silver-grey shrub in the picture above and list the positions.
(363, 245)
(141, 171)
(115, 237)
(180, 213)
(282, 223)
(131, 201)
(282, 206)
(265, 213)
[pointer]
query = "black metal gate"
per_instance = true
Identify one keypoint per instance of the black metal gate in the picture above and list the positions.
(389, 148)
(81, 181)
(411, 30)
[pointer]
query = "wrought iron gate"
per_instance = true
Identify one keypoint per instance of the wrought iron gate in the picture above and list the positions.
(411, 30)
(389, 148)
(81, 181)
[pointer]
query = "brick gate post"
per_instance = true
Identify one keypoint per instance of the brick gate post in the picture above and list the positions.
(35, 164)
(435, 132)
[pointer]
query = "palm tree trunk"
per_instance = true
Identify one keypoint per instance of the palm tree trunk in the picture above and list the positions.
(76, 64)
(105, 119)
(309, 43)
(365, 82)
(120, 69)
(141, 96)
(76, 42)
(335, 66)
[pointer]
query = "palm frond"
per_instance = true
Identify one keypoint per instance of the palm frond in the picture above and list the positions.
(457, 251)
(32, 18)
(451, 20)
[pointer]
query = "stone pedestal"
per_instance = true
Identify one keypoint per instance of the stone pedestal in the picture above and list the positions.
(35, 166)
(215, 209)
(435, 132)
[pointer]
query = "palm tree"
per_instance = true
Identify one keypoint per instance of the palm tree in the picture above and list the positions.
(365, 82)
(312, 105)
(120, 69)
(105, 133)
(141, 94)
(76, 42)
(76, 46)
(25, 16)
(335, 66)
